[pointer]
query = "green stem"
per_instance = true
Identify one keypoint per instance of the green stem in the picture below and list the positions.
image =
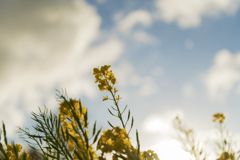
(119, 113)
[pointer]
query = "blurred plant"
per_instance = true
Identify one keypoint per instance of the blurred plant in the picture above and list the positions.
(13, 151)
(226, 147)
(188, 140)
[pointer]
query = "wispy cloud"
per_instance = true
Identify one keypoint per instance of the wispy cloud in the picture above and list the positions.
(143, 37)
(223, 75)
(189, 13)
(133, 18)
(46, 45)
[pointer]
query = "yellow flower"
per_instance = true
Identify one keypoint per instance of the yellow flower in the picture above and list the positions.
(110, 75)
(101, 88)
(105, 67)
(118, 98)
(71, 144)
(96, 71)
(109, 88)
(149, 155)
(115, 90)
(98, 77)
(105, 98)
(18, 147)
(9, 148)
(218, 117)
(113, 81)
(110, 142)
(115, 139)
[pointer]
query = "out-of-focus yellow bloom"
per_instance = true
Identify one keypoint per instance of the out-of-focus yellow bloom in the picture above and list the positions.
(149, 155)
(103, 82)
(109, 88)
(105, 68)
(113, 81)
(110, 75)
(10, 148)
(189, 131)
(71, 144)
(218, 117)
(12, 155)
(66, 111)
(98, 78)
(118, 97)
(96, 71)
(115, 90)
(225, 156)
(101, 88)
(105, 98)
(114, 140)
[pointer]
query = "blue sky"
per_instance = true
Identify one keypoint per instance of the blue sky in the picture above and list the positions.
(170, 58)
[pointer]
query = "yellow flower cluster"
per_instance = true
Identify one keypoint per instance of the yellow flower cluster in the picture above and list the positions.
(149, 155)
(218, 117)
(67, 111)
(145, 155)
(105, 77)
(226, 156)
(11, 153)
(115, 139)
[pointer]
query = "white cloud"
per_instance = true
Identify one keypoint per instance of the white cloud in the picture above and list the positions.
(136, 17)
(189, 13)
(123, 72)
(125, 76)
(188, 90)
(144, 37)
(148, 89)
(135, 80)
(223, 75)
(146, 85)
(47, 45)
(161, 123)
(166, 148)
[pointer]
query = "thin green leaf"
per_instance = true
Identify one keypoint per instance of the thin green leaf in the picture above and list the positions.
(110, 124)
(95, 138)
(94, 129)
(4, 134)
(111, 113)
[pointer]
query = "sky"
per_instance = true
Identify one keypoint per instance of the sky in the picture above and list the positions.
(170, 58)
